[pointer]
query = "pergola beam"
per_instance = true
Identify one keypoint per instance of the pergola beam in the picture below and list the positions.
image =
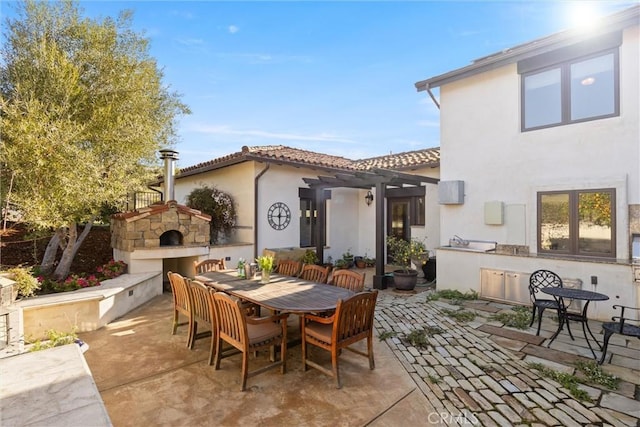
(380, 179)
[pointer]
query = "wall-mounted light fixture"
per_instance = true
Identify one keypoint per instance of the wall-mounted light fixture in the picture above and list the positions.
(368, 198)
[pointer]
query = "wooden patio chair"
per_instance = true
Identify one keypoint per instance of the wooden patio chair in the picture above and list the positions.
(314, 273)
(352, 322)
(182, 303)
(202, 314)
(208, 265)
(289, 267)
(621, 325)
(541, 279)
(248, 335)
(348, 279)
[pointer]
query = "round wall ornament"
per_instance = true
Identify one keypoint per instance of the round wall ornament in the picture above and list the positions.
(279, 216)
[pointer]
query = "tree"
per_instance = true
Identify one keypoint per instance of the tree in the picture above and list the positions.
(83, 113)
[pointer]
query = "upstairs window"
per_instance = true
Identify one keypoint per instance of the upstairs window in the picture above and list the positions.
(572, 84)
(571, 92)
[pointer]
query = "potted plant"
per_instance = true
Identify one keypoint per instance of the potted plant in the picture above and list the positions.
(309, 257)
(360, 262)
(402, 252)
(340, 264)
(265, 264)
(348, 258)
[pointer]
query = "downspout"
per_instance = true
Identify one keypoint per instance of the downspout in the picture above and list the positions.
(255, 209)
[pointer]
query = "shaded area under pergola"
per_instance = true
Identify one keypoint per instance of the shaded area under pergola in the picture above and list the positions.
(381, 180)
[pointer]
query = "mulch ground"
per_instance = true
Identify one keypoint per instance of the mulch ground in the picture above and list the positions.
(19, 246)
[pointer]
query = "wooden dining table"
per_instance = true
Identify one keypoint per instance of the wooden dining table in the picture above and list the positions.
(282, 294)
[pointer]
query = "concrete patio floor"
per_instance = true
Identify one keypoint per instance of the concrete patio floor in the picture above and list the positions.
(470, 374)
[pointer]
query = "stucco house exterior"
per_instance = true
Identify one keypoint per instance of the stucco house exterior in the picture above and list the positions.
(278, 192)
(540, 153)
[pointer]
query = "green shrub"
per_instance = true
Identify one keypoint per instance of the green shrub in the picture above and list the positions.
(568, 381)
(54, 339)
(460, 315)
(26, 283)
(518, 317)
(453, 294)
(596, 375)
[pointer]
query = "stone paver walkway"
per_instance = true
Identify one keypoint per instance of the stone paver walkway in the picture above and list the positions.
(464, 372)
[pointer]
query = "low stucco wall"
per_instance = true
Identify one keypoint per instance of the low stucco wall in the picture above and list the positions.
(462, 271)
(281, 254)
(87, 309)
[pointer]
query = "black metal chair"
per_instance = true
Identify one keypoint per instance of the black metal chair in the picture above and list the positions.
(621, 326)
(541, 279)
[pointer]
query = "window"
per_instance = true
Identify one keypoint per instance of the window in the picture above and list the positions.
(579, 222)
(571, 85)
(309, 218)
(571, 92)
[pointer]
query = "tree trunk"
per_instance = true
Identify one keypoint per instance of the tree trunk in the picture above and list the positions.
(71, 249)
(49, 258)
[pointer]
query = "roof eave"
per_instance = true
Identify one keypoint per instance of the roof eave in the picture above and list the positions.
(616, 22)
(262, 159)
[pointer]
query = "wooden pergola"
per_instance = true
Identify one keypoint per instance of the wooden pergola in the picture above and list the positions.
(381, 180)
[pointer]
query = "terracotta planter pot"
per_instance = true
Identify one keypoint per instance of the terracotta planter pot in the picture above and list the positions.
(405, 281)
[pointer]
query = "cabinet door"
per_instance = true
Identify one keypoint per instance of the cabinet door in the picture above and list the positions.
(492, 283)
(516, 287)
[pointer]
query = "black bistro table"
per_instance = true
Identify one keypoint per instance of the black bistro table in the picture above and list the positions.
(564, 316)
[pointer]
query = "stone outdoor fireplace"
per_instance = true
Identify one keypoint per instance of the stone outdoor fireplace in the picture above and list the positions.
(158, 226)
(161, 237)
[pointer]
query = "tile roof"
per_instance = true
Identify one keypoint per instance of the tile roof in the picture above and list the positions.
(158, 208)
(407, 160)
(299, 157)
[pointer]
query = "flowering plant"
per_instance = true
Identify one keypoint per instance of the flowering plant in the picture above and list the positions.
(265, 263)
(219, 205)
(74, 282)
(112, 269)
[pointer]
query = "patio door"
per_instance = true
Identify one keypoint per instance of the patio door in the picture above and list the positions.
(399, 218)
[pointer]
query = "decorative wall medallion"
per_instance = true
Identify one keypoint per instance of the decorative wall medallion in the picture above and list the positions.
(279, 216)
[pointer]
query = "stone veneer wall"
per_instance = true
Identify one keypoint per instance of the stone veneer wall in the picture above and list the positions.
(141, 229)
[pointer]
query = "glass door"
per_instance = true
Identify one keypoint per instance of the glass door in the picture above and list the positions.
(399, 218)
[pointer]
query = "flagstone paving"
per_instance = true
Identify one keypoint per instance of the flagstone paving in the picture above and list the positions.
(484, 368)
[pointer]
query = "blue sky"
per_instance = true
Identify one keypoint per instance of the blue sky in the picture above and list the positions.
(333, 77)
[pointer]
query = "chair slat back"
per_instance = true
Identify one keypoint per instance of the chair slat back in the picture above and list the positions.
(180, 291)
(208, 265)
(354, 318)
(289, 267)
(542, 279)
(232, 323)
(201, 303)
(348, 279)
(314, 273)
